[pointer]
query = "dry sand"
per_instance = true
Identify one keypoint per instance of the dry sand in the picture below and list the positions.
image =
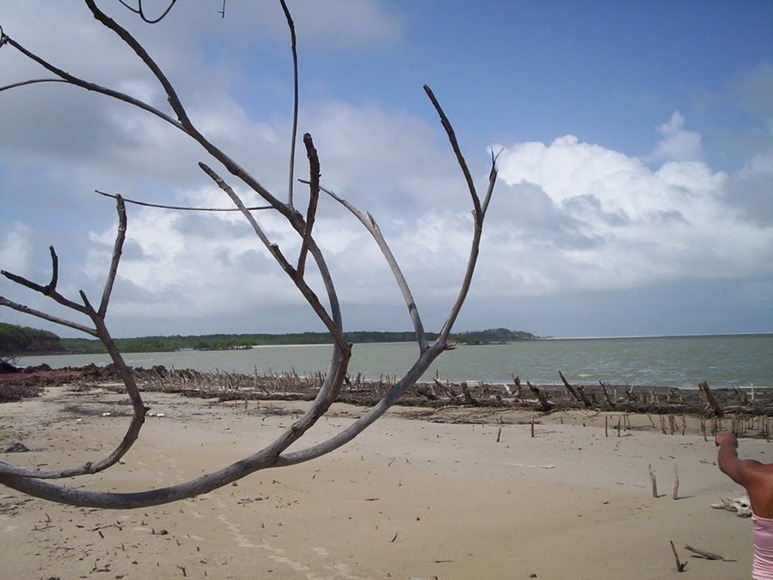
(407, 499)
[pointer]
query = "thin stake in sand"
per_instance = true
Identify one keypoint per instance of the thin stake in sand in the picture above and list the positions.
(654, 481)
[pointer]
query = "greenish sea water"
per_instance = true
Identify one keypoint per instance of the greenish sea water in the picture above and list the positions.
(723, 361)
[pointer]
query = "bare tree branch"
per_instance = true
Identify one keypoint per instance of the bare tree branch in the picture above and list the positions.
(179, 207)
(275, 454)
(117, 250)
(50, 289)
(139, 11)
(184, 122)
(370, 224)
(311, 212)
(457, 150)
(101, 332)
(294, 136)
(31, 82)
(44, 316)
(330, 322)
(478, 214)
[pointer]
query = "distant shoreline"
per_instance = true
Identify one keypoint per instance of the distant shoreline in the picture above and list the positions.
(638, 336)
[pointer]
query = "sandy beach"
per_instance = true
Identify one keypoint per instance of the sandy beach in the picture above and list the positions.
(411, 498)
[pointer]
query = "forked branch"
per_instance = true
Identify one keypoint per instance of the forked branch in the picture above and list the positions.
(275, 454)
(100, 331)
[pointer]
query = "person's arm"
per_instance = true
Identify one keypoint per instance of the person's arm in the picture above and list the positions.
(740, 471)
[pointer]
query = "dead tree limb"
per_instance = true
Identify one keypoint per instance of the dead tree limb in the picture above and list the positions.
(427, 391)
(675, 492)
(517, 383)
(468, 398)
(544, 405)
(449, 392)
(654, 482)
(276, 453)
(607, 398)
(680, 566)
(704, 553)
(711, 402)
(578, 394)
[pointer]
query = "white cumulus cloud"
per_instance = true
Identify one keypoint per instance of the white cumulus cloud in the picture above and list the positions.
(595, 219)
(677, 143)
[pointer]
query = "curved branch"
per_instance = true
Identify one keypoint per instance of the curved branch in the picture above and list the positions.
(332, 323)
(457, 150)
(117, 250)
(178, 207)
(426, 358)
(370, 224)
(129, 40)
(89, 86)
(31, 82)
(273, 455)
(311, 212)
(44, 316)
(141, 13)
(101, 332)
(263, 459)
(184, 122)
(54, 270)
(478, 213)
(50, 289)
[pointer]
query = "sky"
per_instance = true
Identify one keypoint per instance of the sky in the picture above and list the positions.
(634, 144)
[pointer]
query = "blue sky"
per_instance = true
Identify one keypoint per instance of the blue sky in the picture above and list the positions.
(636, 162)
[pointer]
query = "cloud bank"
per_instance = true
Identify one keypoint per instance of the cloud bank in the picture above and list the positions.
(570, 220)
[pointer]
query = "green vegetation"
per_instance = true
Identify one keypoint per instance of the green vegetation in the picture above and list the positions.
(21, 340)
(492, 336)
(238, 341)
(17, 340)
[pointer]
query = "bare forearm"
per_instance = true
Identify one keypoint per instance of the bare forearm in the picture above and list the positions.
(727, 457)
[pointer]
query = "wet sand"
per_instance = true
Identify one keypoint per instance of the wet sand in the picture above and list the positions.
(410, 498)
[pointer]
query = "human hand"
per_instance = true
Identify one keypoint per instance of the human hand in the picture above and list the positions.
(726, 438)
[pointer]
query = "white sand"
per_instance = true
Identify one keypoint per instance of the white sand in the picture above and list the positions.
(407, 499)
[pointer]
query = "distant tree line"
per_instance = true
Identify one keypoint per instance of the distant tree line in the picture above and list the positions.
(18, 340)
(21, 340)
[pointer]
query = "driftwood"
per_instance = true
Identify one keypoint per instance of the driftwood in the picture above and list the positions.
(449, 392)
(544, 405)
(675, 493)
(740, 506)
(680, 566)
(578, 393)
(427, 391)
(654, 482)
(706, 554)
(710, 400)
(468, 398)
(315, 283)
(607, 398)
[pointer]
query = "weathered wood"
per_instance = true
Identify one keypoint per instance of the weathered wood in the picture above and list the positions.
(704, 553)
(680, 566)
(468, 398)
(654, 482)
(427, 391)
(675, 493)
(568, 386)
(544, 405)
(710, 400)
(607, 398)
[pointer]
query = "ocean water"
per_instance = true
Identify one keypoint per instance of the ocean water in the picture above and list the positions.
(722, 361)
